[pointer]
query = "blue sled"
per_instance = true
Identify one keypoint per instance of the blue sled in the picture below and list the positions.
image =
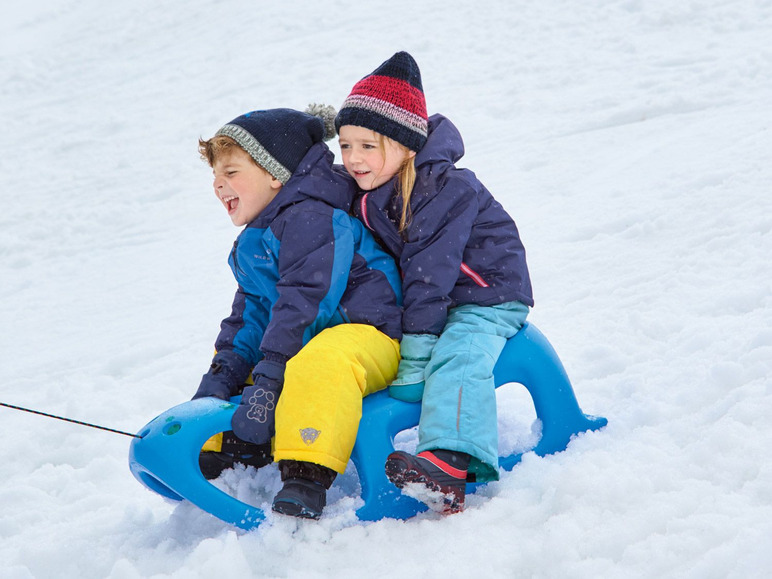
(165, 458)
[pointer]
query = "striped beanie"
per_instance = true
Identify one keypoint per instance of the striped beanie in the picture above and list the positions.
(278, 139)
(390, 101)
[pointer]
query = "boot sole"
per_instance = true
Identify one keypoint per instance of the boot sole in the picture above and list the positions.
(416, 485)
(293, 509)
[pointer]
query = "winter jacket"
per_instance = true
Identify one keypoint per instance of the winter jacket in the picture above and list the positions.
(303, 265)
(460, 247)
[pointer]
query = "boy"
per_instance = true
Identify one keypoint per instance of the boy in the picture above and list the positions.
(317, 314)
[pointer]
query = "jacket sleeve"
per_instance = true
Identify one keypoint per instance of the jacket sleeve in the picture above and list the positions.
(432, 255)
(316, 252)
(243, 330)
(236, 347)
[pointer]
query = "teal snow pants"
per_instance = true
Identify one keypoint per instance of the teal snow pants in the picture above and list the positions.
(458, 409)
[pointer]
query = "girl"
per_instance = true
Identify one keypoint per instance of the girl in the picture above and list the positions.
(465, 281)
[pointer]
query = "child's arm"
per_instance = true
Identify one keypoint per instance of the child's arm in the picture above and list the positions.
(431, 261)
(236, 348)
(432, 256)
(315, 258)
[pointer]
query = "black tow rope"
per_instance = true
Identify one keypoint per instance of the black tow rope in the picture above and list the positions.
(70, 420)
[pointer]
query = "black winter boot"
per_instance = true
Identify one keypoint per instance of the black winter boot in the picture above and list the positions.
(304, 493)
(436, 478)
(234, 451)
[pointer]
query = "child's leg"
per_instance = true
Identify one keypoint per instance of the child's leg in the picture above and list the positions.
(224, 450)
(318, 413)
(459, 403)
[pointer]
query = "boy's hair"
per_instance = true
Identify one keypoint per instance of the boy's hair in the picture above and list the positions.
(405, 179)
(218, 147)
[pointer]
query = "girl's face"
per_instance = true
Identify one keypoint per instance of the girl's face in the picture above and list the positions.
(364, 160)
(242, 187)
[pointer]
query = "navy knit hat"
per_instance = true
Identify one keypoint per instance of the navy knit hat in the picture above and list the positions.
(278, 139)
(390, 101)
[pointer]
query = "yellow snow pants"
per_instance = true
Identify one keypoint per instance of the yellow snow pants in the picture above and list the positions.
(317, 416)
(318, 413)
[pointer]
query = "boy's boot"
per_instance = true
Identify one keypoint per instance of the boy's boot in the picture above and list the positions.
(436, 477)
(304, 493)
(232, 452)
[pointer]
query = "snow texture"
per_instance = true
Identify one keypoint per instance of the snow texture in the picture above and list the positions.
(631, 142)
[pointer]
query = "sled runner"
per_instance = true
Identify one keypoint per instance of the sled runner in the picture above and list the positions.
(165, 458)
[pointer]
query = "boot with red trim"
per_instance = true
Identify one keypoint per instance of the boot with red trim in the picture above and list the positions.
(434, 477)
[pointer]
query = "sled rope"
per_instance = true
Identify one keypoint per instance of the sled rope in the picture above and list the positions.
(69, 420)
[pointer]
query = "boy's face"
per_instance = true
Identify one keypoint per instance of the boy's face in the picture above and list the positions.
(364, 160)
(242, 187)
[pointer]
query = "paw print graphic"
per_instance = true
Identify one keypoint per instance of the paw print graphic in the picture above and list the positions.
(262, 403)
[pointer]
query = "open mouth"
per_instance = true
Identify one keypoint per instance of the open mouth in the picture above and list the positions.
(231, 203)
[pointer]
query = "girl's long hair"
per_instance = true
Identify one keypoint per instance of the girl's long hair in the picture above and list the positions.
(405, 180)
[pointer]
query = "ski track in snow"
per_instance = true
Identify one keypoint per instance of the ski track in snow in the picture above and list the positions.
(630, 141)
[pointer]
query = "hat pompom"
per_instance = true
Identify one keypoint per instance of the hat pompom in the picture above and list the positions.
(327, 113)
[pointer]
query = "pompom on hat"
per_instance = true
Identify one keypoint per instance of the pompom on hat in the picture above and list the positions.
(278, 139)
(390, 101)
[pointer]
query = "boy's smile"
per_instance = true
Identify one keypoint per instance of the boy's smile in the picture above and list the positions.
(243, 187)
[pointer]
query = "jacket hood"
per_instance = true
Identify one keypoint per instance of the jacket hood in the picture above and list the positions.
(444, 143)
(315, 178)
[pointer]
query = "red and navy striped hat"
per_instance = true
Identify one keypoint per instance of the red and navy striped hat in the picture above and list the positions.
(390, 101)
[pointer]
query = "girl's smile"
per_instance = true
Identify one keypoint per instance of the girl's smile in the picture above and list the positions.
(370, 159)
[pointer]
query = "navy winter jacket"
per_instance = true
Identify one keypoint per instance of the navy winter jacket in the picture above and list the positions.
(303, 265)
(461, 246)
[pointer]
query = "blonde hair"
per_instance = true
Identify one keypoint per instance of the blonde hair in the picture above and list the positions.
(405, 179)
(219, 147)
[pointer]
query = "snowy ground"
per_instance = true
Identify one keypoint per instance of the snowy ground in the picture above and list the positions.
(630, 140)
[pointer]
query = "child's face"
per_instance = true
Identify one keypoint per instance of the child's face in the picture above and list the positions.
(363, 159)
(242, 187)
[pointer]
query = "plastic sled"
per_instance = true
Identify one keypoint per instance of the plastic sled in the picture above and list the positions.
(165, 458)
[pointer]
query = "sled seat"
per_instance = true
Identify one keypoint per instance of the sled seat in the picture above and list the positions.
(165, 457)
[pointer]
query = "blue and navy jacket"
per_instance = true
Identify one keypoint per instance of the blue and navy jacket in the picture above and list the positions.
(303, 265)
(461, 246)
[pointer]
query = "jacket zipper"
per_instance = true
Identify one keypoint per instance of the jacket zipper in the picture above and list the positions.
(476, 277)
(363, 209)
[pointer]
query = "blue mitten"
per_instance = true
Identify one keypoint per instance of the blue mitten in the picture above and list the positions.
(415, 350)
(227, 372)
(254, 419)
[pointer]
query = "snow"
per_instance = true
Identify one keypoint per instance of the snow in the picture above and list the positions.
(631, 142)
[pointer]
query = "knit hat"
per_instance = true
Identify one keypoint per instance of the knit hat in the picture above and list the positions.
(278, 139)
(390, 101)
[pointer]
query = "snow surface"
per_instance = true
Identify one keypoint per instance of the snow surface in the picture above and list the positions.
(630, 140)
